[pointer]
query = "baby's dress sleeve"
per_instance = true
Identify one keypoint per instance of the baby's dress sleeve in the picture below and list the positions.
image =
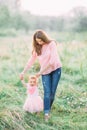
(25, 84)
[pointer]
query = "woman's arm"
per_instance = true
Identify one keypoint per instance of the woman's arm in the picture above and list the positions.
(44, 69)
(28, 65)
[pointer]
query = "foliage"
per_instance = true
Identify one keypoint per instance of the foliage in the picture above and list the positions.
(75, 21)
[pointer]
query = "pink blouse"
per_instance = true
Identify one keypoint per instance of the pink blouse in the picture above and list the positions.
(49, 55)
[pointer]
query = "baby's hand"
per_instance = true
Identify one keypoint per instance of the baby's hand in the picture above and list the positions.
(21, 76)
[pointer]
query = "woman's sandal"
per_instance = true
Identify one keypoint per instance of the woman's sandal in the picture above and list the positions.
(47, 116)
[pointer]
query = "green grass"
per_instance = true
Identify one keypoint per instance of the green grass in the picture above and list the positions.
(69, 111)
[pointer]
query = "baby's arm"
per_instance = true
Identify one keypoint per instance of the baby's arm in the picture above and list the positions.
(23, 82)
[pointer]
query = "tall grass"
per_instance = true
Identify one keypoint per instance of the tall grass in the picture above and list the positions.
(69, 111)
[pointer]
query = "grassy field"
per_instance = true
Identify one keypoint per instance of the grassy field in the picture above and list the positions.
(69, 111)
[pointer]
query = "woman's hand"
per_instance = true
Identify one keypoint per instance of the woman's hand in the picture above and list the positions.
(38, 75)
(22, 76)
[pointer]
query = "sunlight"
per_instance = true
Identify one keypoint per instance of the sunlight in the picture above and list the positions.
(53, 7)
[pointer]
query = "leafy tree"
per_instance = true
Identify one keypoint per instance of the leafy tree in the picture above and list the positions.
(4, 17)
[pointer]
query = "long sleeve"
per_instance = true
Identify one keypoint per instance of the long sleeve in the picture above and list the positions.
(30, 62)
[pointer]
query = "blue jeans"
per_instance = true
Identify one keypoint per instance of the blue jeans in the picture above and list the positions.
(50, 82)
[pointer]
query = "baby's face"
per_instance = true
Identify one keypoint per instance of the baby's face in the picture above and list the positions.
(32, 82)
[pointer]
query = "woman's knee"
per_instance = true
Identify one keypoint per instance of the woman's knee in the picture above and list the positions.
(47, 94)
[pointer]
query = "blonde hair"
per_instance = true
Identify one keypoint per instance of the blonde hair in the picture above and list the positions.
(32, 77)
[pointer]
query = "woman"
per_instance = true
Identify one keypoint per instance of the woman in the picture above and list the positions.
(45, 50)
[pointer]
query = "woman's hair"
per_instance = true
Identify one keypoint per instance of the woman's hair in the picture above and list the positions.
(40, 35)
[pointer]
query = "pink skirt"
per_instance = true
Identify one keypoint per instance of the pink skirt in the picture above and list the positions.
(33, 104)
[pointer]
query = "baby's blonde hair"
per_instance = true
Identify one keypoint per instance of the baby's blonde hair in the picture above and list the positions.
(32, 77)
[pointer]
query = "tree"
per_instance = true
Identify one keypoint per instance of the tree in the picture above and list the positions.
(79, 19)
(4, 17)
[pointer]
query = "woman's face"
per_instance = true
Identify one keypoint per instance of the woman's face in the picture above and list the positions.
(39, 41)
